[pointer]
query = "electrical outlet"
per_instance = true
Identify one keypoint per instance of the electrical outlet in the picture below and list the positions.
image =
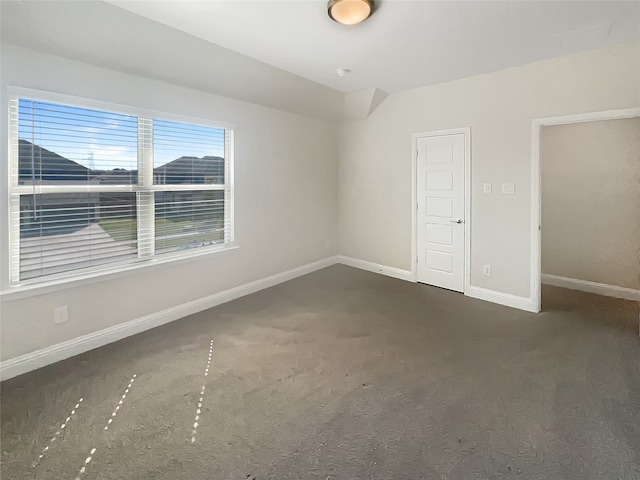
(61, 314)
(487, 270)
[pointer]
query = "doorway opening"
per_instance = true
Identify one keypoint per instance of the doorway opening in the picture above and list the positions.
(586, 199)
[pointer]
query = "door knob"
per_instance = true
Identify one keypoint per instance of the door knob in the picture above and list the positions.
(456, 221)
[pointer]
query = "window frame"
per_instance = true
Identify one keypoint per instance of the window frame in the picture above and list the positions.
(145, 185)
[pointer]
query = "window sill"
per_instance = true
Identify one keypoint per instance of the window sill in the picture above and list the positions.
(27, 290)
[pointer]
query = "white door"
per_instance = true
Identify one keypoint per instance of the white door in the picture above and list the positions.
(440, 211)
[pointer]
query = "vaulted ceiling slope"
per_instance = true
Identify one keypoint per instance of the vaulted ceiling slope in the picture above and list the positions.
(284, 54)
(405, 44)
(104, 35)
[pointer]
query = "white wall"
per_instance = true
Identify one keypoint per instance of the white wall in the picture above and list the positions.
(591, 201)
(285, 203)
(375, 156)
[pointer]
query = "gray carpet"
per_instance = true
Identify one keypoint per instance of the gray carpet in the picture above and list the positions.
(344, 374)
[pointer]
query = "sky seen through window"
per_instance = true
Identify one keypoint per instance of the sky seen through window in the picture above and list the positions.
(104, 140)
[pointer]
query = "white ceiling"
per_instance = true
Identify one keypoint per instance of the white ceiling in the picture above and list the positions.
(284, 54)
(405, 44)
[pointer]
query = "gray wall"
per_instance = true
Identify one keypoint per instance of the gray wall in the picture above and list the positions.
(375, 157)
(285, 204)
(591, 201)
(290, 193)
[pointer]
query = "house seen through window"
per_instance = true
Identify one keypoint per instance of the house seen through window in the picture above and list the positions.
(94, 189)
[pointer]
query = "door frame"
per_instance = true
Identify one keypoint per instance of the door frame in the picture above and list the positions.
(466, 131)
(536, 184)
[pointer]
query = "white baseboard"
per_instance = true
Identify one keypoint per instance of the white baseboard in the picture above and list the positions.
(46, 356)
(591, 287)
(507, 299)
(376, 268)
(500, 298)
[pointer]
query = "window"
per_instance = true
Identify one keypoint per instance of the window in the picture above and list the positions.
(93, 189)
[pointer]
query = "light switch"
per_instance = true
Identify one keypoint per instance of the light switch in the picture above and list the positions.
(508, 188)
(486, 188)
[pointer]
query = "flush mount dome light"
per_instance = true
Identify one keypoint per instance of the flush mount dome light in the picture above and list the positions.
(349, 12)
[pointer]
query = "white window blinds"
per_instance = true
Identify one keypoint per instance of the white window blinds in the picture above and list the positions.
(191, 218)
(95, 189)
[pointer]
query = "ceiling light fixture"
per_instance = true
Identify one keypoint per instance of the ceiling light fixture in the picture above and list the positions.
(349, 12)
